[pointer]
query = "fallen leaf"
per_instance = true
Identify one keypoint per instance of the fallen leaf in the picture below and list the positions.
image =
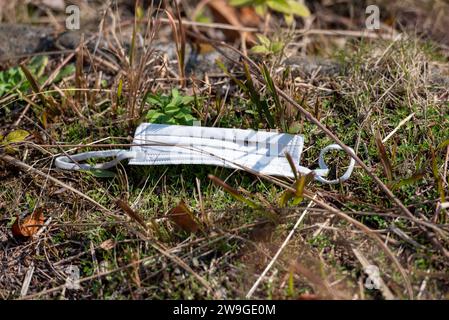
(183, 217)
(29, 226)
(308, 296)
(224, 13)
(249, 17)
(15, 136)
(107, 245)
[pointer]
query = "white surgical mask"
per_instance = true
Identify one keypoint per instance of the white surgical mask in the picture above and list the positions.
(258, 151)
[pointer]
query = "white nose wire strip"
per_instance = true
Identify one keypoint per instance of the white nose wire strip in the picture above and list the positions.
(262, 152)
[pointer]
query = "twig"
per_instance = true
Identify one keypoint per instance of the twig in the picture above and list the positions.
(318, 32)
(27, 280)
(130, 212)
(159, 247)
(276, 256)
(446, 163)
(404, 121)
(365, 263)
(255, 70)
(370, 233)
(423, 286)
(28, 169)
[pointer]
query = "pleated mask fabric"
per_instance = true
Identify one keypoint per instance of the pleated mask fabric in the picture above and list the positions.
(261, 152)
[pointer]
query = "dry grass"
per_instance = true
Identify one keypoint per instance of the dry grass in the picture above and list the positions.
(134, 251)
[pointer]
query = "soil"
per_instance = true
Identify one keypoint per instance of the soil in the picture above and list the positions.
(22, 40)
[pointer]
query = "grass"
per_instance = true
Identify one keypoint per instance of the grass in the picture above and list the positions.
(381, 83)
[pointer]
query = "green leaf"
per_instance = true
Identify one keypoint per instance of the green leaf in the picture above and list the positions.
(185, 110)
(154, 100)
(288, 19)
(171, 110)
(174, 93)
(119, 89)
(298, 9)
(185, 119)
(260, 50)
(276, 47)
(261, 9)
(15, 136)
(295, 127)
(285, 197)
(279, 6)
(154, 116)
(65, 72)
(272, 88)
(179, 115)
(176, 101)
(297, 200)
(263, 40)
(443, 144)
(187, 100)
(261, 103)
(238, 3)
(299, 185)
(408, 181)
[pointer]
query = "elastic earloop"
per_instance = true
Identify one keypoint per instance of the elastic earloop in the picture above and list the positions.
(66, 163)
(323, 165)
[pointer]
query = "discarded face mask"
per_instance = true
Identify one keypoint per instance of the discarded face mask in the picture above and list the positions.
(260, 152)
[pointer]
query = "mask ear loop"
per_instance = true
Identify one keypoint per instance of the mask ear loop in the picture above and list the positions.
(66, 163)
(324, 167)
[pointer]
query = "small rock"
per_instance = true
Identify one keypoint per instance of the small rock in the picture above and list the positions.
(21, 40)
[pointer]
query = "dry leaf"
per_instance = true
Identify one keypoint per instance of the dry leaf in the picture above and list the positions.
(183, 217)
(308, 296)
(224, 13)
(249, 17)
(386, 164)
(107, 245)
(29, 226)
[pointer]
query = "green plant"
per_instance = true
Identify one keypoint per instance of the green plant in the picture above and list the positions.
(15, 136)
(260, 102)
(172, 109)
(14, 78)
(267, 46)
(289, 8)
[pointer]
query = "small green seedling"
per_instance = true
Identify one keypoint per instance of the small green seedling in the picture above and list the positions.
(267, 46)
(173, 109)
